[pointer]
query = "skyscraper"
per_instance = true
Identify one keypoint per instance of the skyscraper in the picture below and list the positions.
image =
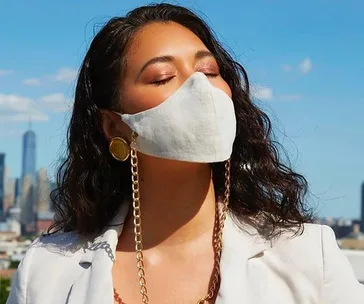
(29, 154)
(2, 183)
(43, 190)
(27, 200)
(17, 192)
(9, 187)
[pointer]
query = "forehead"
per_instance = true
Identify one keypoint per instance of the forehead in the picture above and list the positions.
(160, 39)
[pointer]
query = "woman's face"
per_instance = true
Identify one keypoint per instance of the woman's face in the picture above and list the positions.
(160, 59)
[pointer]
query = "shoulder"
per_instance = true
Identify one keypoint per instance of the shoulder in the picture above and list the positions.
(63, 245)
(309, 236)
(309, 246)
(295, 242)
(47, 257)
(302, 250)
(315, 253)
(54, 252)
(51, 249)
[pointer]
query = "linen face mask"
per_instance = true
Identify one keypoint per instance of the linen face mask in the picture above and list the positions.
(196, 124)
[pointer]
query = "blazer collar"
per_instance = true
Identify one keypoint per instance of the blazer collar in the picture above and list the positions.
(242, 239)
(95, 285)
(106, 242)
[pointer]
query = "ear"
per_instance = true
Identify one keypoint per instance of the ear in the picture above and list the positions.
(112, 124)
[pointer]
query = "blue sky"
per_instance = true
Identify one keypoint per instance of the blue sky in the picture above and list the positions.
(305, 61)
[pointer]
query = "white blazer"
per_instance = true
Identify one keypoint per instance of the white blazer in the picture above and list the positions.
(305, 269)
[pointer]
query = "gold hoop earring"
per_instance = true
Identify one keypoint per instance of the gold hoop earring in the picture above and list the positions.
(119, 148)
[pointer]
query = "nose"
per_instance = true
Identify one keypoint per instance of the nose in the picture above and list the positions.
(195, 78)
(185, 72)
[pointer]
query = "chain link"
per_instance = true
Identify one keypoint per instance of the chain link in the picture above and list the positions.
(138, 221)
(219, 227)
(117, 298)
(217, 235)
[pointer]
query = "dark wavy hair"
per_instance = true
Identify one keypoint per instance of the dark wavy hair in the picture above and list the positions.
(92, 185)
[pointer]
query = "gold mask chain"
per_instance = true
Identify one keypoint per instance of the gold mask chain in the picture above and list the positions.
(217, 236)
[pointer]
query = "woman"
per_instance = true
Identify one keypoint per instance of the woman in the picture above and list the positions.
(173, 191)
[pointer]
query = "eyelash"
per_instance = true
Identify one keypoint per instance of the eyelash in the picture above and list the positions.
(165, 81)
(161, 82)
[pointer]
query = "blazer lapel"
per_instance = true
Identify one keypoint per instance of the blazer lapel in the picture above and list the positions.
(95, 284)
(239, 247)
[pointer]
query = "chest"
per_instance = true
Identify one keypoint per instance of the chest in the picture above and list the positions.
(169, 279)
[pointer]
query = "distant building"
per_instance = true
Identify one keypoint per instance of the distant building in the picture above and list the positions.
(27, 184)
(17, 192)
(29, 155)
(2, 184)
(9, 190)
(341, 229)
(354, 240)
(362, 207)
(52, 187)
(13, 220)
(43, 191)
(27, 202)
(53, 184)
(44, 220)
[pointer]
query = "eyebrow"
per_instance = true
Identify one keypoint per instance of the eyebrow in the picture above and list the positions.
(199, 55)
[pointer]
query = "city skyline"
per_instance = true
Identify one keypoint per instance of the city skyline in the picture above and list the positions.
(46, 180)
(44, 184)
(304, 61)
(25, 204)
(28, 158)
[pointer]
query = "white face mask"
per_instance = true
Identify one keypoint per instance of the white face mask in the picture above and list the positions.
(196, 124)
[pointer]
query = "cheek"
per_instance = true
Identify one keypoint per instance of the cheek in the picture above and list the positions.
(222, 85)
(141, 98)
(227, 90)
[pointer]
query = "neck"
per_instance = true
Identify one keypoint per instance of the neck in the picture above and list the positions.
(177, 201)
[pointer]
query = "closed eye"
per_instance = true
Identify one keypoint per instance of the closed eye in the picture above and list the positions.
(213, 75)
(166, 80)
(162, 81)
